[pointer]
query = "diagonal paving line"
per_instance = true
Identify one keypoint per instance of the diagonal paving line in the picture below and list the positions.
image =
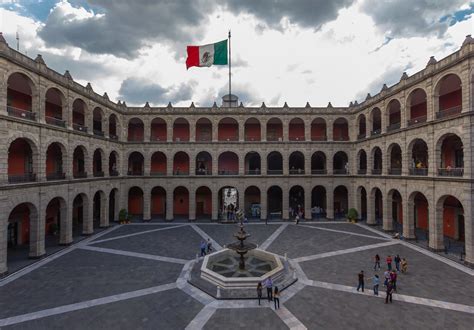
(85, 304)
(339, 252)
(135, 254)
(204, 235)
(273, 237)
(201, 318)
(345, 232)
(289, 319)
(134, 234)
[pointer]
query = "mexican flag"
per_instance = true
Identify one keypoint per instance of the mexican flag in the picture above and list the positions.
(207, 55)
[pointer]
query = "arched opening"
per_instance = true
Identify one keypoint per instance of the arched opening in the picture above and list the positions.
(296, 130)
(318, 202)
(394, 115)
(228, 203)
(395, 199)
(158, 130)
(362, 162)
(158, 203)
(395, 160)
(135, 164)
(362, 202)
(113, 131)
(55, 222)
(274, 202)
(376, 161)
(252, 163)
(79, 215)
(203, 203)
(228, 163)
(252, 202)
(274, 130)
(361, 124)
(97, 117)
(180, 130)
(79, 115)
(135, 203)
(451, 162)
(252, 130)
(21, 167)
(318, 130)
(113, 164)
(318, 163)
(54, 101)
(99, 209)
(203, 130)
(340, 202)
(296, 163)
(376, 196)
(54, 162)
(376, 117)
(340, 130)
(420, 216)
(274, 163)
(78, 163)
(113, 205)
(158, 164)
(20, 96)
(228, 130)
(181, 203)
(340, 163)
(296, 202)
(19, 233)
(417, 107)
(203, 163)
(419, 157)
(181, 163)
(449, 93)
(135, 130)
(97, 163)
(453, 224)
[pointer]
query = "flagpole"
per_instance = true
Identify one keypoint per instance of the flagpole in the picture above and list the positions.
(230, 88)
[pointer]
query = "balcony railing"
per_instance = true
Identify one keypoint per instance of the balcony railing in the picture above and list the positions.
(253, 172)
(274, 138)
(296, 171)
(113, 137)
(449, 112)
(229, 139)
(157, 139)
(417, 120)
(418, 171)
(340, 138)
(138, 173)
(99, 174)
(79, 128)
(340, 171)
(21, 113)
(55, 121)
(393, 127)
(181, 173)
(395, 171)
(362, 171)
(376, 132)
(376, 171)
(21, 178)
(203, 171)
(319, 138)
(274, 172)
(132, 138)
(204, 138)
(297, 138)
(457, 171)
(158, 173)
(113, 173)
(252, 138)
(319, 171)
(360, 136)
(98, 132)
(80, 175)
(228, 172)
(55, 176)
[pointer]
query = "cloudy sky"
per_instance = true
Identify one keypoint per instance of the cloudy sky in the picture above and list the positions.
(294, 51)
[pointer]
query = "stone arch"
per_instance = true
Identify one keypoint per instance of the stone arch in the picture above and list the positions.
(23, 158)
(448, 95)
(252, 202)
(56, 157)
(296, 129)
(203, 129)
(55, 102)
(252, 129)
(318, 129)
(449, 155)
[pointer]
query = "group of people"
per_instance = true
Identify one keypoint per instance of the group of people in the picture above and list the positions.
(206, 247)
(230, 211)
(273, 294)
(390, 275)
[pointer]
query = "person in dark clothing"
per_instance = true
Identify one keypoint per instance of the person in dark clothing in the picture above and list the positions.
(377, 262)
(259, 292)
(389, 263)
(361, 281)
(389, 292)
(397, 262)
(269, 286)
(276, 298)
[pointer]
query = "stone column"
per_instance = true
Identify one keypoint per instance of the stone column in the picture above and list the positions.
(241, 130)
(329, 162)
(285, 158)
(263, 204)
(65, 235)
(37, 233)
(435, 225)
(307, 202)
(387, 214)
(468, 227)
(241, 156)
(263, 162)
(329, 130)
(169, 204)
(87, 214)
(146, 203)
(192, 204)
(169, 131)
(307, 131)
(285, 203)
(104, 211)
(263, 132)
(330, 203)
(146, 163)
(215, 205)
(192, 163)
(285, 127)
(146, 130)
(371, 209)
(408, 220)
(192, 131)
(3, 244)
(307, 163)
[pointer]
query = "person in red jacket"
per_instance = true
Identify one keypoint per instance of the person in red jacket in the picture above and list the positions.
(389, 263)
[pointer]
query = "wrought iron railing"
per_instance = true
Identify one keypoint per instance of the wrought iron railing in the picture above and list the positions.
(319, 138)
(113, 173)
(158, 173)
(360, 136)
(376, 132)
(296, 171)
(55, 121)
(253, 172)
(99, 174)
(449, 112)
(395, 171)
(98, 132)
(228, 172)
(340, 171)
(21, 113)
(393, 127)
(457, 171)
(79, 128)
(55, 176)
(319, 171)
(362, 171)
(21, 178)
(417, 120)
(80, 175)
(274, 172)
(418, 171)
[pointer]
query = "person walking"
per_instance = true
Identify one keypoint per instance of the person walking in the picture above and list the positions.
(397, 262)
(259, 292)
(203, 248)
(393, 279)
(209, 246)
(404, 264)
(276, 298)
(389, 262)
(386, 276)
(376, 282)
(377, 262)
(297, 218)
(269, 286)
(389, 293)
(361, 281)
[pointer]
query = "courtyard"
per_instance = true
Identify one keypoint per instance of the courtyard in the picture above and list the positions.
(135, 276)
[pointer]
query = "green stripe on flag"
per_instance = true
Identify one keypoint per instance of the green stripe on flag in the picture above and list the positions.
(220, 52)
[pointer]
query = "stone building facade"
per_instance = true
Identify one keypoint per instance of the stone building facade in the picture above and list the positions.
(72, 158)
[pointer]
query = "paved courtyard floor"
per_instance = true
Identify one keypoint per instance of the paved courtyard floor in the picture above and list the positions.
(134, 277)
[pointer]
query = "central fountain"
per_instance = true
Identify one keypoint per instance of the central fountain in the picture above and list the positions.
(240, 247)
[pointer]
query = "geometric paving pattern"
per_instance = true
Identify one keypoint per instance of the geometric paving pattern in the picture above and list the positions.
(134, 276)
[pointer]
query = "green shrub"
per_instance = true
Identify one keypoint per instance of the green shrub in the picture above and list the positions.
(352, 215)
(123, 215)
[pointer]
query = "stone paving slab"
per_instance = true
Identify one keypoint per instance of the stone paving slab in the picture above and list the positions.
(182, 242)
(340, 310)
(426, 277)
(349, 227)
(82, 275)
(245, 318)
(299, 241)
(131, 229)
(224, 233)
(171, 309)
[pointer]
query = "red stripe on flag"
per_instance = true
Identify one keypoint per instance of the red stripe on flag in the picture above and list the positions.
(193, 56)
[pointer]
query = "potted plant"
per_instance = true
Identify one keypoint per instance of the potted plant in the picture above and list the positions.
(123, 216)
(352, 215)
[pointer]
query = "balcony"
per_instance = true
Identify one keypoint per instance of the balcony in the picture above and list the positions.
(79, 128)
(113, 137)
(55, 176)
(98, 174)
(21, 113)
(417, 120)
(393, 127)
(157, 139)
(132, 138)
(376, 171)
(135, 173)
(362, 171)
(230, 139)
(360, 136)
(204, 138)
(376, 132)
(319, 138)
(55, 121)
(453, 172)
(273, 138)
(448, 112)
(227, 172)
(158, 173)
(294, 171)
(297, 138)
(22, 178)
(418, 171)
(340, 171)
(340, 138)
(253, 172)
(80, 175)
(274, 172)
(114, 173)
(98, 132)
(319, 172)
(395, 171)
(203, 171)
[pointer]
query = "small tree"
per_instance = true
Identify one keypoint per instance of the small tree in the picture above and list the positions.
(352, 215)
(123, 216)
